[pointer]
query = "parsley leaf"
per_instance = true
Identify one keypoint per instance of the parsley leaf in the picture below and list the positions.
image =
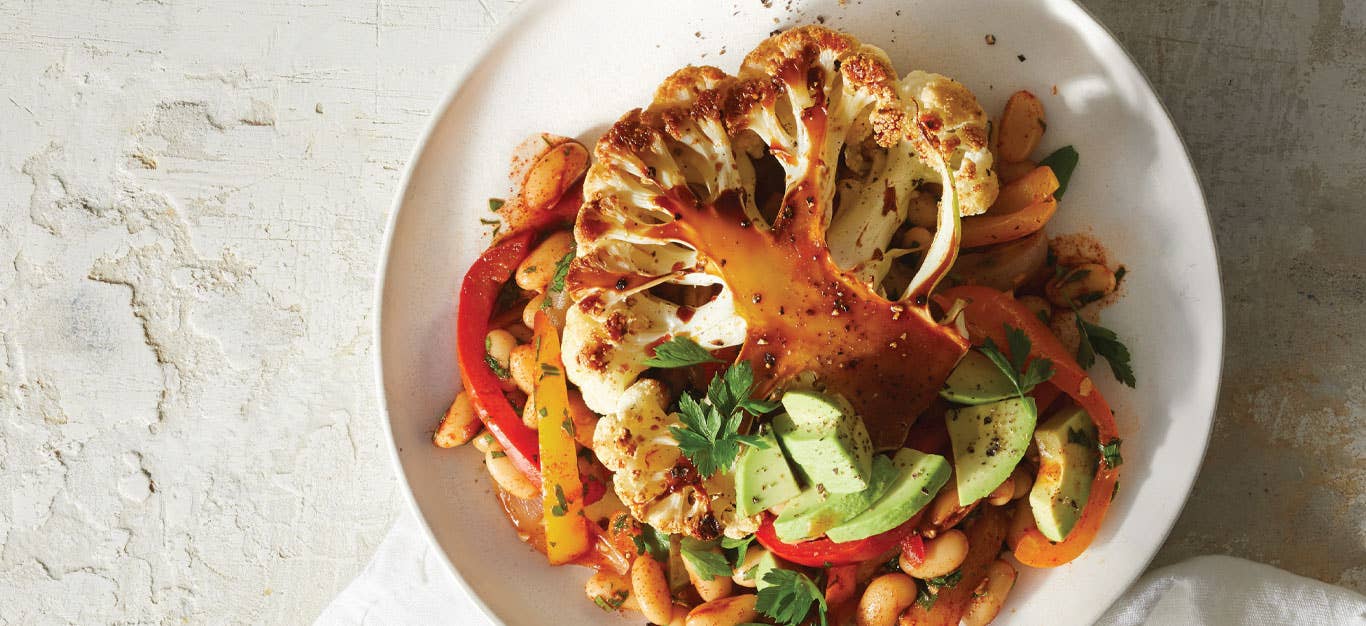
(947, 580)
(741, 547)
(561, 504)
(680, 352)
(710, 434)
(706, 564)
(613, 602)
(1063, 161)
(1110, 452)
(561, 271)
(499, 369)
(789, 597)
(652, 542)
(496, 203)
(1097, 339)
(924, 597)
(1023, 376)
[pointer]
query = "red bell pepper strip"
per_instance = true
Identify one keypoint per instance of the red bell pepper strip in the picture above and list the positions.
(913, 546)
(478, 297)
(822, 552)
(987, 313)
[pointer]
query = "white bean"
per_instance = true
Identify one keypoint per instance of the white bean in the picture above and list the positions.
(508, 477)
(943, 555)
(610, 590)
(884, 599)
(498, 344)
(990, 595)
(744, 575)
(725, 612)
(522, 364)
(459, 425)
(538, 268)
(651, 589)
(1080, 285)
(484, 442)
(1002, 493)
(718, 587)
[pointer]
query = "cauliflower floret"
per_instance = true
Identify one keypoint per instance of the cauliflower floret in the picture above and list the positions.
(654, 480)
(673, 201)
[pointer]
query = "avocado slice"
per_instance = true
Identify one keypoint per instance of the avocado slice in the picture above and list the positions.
(1067, 465)
(919, 477)
(988, 442)
(976, 380)
(763, 566)
(763, 477)
(816, 511)
(826, 440)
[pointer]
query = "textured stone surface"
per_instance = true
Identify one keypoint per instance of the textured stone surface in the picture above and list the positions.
(1269, 98)
(192, 196)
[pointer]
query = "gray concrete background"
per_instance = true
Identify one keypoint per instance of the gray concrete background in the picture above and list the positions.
(1270, 97)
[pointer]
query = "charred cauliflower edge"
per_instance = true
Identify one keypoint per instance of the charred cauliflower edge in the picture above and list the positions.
(705, 130)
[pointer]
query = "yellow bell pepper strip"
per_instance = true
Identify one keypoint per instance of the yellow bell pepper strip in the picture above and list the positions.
(987, 313)
(566, 529)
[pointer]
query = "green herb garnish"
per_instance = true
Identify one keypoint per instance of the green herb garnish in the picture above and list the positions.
(710, 435)
(652, 542)
(561, 503)
(498, 369)
(1023, 377)
(680, 352)
(1063, 161)
(947, 580)
(1110, 452)
(789, 598)
(495, 204)
(706, 564)
(1097, 339)
(557, 280)
(741, 546)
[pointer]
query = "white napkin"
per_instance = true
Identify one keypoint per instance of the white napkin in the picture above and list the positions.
(405, 583)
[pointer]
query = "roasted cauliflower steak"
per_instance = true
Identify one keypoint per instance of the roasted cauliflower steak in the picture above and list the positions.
(795, 277)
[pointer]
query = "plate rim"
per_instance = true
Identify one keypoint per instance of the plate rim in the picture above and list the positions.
(455, 88)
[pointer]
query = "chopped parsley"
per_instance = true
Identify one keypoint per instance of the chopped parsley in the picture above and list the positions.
(947, 580)
(706, 564)
(680, 352)
(557, 280)
(789, 597)
(496, 224)
(741, 547)
(924, 597)
(652, 542)
(710, 434)
(1109, 451)
(561, 504)
(495, 204)
(548, 370)
(1097, 339)
(614, 602)
(1080, 437)
(498, 369)
(1063, 161)
(1023, 376)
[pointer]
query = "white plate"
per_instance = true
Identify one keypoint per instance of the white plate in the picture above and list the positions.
(573, 67)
